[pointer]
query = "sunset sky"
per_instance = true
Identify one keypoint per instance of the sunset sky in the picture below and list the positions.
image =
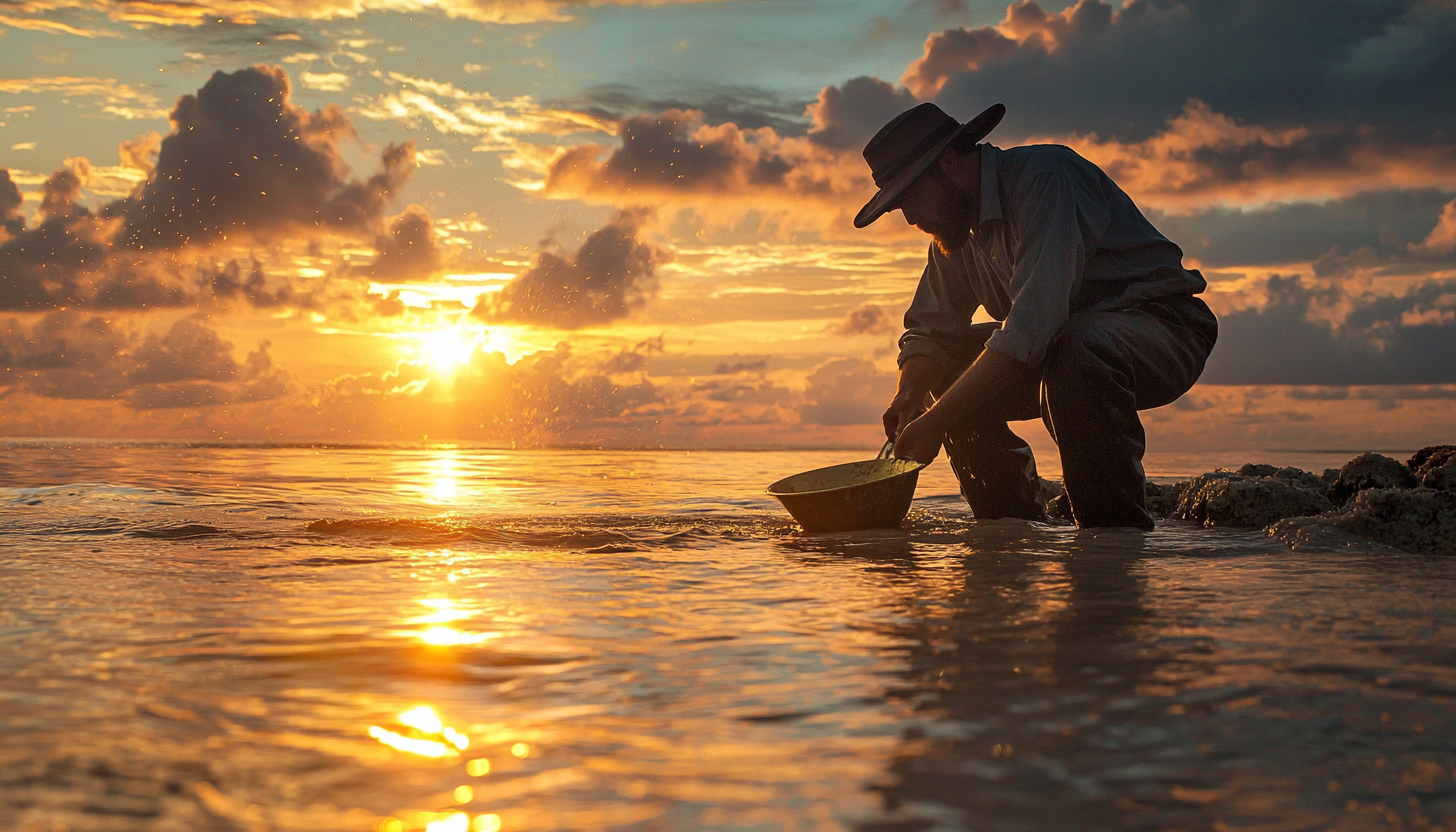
(550, 222)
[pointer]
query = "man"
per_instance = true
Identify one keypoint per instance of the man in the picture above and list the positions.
(1098, 316)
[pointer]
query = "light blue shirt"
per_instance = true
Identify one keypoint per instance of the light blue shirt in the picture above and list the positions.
(1056, 237)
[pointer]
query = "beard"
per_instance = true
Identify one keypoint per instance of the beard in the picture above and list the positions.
(952, 233)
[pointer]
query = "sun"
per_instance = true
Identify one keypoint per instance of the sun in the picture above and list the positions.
(447, 350)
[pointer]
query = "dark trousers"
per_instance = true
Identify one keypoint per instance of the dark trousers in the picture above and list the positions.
(1100, 370)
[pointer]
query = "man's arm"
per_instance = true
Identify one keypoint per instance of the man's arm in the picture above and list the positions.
(991, 373)
(918, 376)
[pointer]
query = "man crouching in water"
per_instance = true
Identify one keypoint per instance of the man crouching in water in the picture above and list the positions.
(1098, 318)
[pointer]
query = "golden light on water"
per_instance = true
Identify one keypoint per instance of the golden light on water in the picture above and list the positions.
(445, 610)
(479, 767)
(464, 794)
(486, 823)
(444, 486)
(458, 822)
(441, 636)
(423, 720)
(424, 748)
(520, 749)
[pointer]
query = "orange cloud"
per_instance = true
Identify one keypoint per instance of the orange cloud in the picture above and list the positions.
(119, 98)
(956, 51)
(1206, 158)
(42, 15)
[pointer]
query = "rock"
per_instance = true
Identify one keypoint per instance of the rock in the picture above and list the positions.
(1224, 498)
(1369, 471)
(1416, 520)
(1163, 499)
(1441, 478)
(1435, 467)
(1293, 476)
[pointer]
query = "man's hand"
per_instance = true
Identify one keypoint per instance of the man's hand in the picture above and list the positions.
(902, 411)
(918, 374)
(922, 438)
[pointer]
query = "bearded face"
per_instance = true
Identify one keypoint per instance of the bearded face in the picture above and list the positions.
(952, 231)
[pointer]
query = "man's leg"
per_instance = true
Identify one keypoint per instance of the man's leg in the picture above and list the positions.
(995, 467)
(1103, 368)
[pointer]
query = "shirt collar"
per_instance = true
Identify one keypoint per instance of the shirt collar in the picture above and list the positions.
(990, 196)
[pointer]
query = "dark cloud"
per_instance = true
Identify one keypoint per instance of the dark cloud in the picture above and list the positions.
(847, 391)
(241, 164)
(11, 220)
(729, 368)
(847, 116)
(609, 276)
(66, 355)
(407, 249)
(1382, 339)
(676, 153)
(1300, 231)
(865, 319)
(1389, 64)
(61, 190)
(748, 107)
(243, 160)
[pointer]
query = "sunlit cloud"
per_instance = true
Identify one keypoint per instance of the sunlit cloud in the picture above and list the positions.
(120, 98)
(495, 123)
(40, 14)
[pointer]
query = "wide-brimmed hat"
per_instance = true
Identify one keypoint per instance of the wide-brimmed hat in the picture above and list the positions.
(907, 147)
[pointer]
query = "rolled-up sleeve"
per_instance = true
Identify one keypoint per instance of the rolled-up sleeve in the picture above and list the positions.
(937, 324)
(1060, 220)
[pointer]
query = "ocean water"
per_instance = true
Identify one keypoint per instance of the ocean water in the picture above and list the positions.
(450, 639)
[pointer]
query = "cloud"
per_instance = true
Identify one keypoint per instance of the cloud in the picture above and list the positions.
(496, 123)
(52, 15)
(241, 165)
(326, 81)
(11, 220)
(407, 249)
(118, 98)
(847, 391)
(676, 157)
(847, 116)
(243, 161)
(1206, 101)
(608, 277)
(1442, 239)
(865, 319)
(1277, 234)
(1312, 334)
(66, 355)
(748, 107)
(1205, 158)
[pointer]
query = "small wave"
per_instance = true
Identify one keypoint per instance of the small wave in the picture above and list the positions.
(183, 531)
(602, 534)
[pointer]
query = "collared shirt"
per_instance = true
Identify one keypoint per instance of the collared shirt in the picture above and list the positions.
(1055, 237)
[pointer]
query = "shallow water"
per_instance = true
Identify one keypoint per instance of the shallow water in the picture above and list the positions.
(297, 639)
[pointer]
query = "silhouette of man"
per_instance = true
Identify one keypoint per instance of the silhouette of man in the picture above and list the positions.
(1098, 319)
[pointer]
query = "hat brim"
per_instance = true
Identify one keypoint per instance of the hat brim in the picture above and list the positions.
(884, 199)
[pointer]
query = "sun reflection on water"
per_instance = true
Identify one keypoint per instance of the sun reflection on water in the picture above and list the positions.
(429, 735)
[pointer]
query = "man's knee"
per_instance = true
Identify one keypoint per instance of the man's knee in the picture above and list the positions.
(1082, 353)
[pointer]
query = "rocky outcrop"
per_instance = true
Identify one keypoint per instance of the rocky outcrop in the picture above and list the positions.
(1369, 471)
(1371, 503)
(1435, 467)
(1414, 519)
(1162, 500)
(1226, 498)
